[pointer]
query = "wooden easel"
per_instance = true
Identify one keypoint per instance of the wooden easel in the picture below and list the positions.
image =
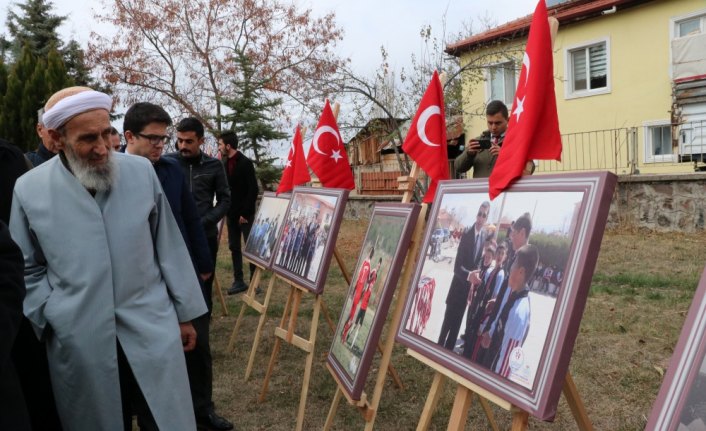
(221, 299)
(368, 409)
(286, 332)
(465, 391)
(249, 300)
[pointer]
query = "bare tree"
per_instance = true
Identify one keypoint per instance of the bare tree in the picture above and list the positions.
(180, 53)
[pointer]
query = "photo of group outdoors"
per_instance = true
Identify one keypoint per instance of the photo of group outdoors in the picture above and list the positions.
(370, 293)
(306, 241)
(490, 277)
(265, 229)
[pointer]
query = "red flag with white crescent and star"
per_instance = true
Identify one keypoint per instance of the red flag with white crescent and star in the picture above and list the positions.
(327, 157)
(295, 171)
(426, 140)
(533, 129)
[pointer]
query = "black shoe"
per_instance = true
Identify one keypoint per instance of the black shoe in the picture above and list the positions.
(237, 287)
(213, 422)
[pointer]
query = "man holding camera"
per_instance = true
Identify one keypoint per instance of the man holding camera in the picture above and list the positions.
(482, 152)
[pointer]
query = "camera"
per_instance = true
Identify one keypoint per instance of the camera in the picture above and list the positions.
(484, 143)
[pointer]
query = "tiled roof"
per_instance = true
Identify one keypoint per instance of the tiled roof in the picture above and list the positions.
(565, 13)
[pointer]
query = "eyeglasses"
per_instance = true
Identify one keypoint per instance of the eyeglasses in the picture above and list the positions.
(482, 214)
(155, 139)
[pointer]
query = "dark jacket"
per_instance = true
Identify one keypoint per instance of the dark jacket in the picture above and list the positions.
(184, 210)
(13, 412)
(243, 188)
(12, 165)
(482, 162)
(40, 155)
(206, 177)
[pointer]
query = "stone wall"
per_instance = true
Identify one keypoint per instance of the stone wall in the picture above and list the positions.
(664, 203)
(661, 203)
(361, 207)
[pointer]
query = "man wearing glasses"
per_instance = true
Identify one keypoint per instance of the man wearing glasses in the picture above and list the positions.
(145, 129)
(468, 256)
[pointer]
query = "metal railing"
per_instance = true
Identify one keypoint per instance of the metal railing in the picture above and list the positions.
(613, 150)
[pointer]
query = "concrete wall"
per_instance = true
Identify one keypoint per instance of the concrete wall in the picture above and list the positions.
(665, 203)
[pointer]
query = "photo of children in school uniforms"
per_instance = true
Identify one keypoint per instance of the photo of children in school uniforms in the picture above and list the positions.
(491, 305)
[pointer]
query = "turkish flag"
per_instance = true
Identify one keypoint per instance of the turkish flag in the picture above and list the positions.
(426, 140)
(533, 129)
(327, 157)
(295, 171)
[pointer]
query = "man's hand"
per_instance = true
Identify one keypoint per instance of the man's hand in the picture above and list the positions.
(188, 336)
(485, 340)
(473, 147)
(205, 275)
(243, 220)
(494, 149)
(474, 277)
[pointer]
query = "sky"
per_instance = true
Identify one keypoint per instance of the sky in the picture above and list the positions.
(367, 24)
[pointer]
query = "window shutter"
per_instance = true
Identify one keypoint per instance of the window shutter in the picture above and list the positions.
(578, 59)
(599, 61)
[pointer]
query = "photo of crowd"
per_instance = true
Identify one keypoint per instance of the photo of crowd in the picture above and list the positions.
(304, 246)
(265, 228)
(490, 276)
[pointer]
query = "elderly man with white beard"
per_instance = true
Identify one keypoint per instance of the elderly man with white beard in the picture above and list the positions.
(110, 285)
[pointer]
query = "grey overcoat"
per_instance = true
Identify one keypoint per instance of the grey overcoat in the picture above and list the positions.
(100, 268)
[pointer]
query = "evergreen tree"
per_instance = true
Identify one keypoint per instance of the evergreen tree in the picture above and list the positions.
(34, 25)
(56, 75)
(3, 90)
(12, 114)
(29, 84)
(74, 59)
(251, 119)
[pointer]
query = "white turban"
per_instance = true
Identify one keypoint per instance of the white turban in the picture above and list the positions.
(71, 106)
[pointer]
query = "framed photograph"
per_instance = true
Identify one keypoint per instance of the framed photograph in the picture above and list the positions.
(681, 402)
(500, 286)
(374, 281)
(265, 230)
(307, 239)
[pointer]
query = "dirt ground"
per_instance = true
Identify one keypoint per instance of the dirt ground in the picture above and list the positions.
(640, 293)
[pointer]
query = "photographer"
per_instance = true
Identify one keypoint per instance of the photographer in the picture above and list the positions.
(482, 152)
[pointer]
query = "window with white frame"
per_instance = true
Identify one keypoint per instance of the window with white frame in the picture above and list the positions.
(690, 26)
(501, 82)
(658, 142)
(588, 69)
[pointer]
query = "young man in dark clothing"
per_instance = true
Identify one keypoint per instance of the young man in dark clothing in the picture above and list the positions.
(206, 179)
(145, 130)
(243, 194)
(13, 411)
(29, 356)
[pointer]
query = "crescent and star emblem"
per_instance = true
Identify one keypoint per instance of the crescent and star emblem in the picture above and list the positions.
(519, 108)
(335, 154)
(422, 124)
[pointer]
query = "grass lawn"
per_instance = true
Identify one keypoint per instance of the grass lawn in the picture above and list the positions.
(641, 291)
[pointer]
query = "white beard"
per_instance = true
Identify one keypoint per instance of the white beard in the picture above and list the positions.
(98, 178)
